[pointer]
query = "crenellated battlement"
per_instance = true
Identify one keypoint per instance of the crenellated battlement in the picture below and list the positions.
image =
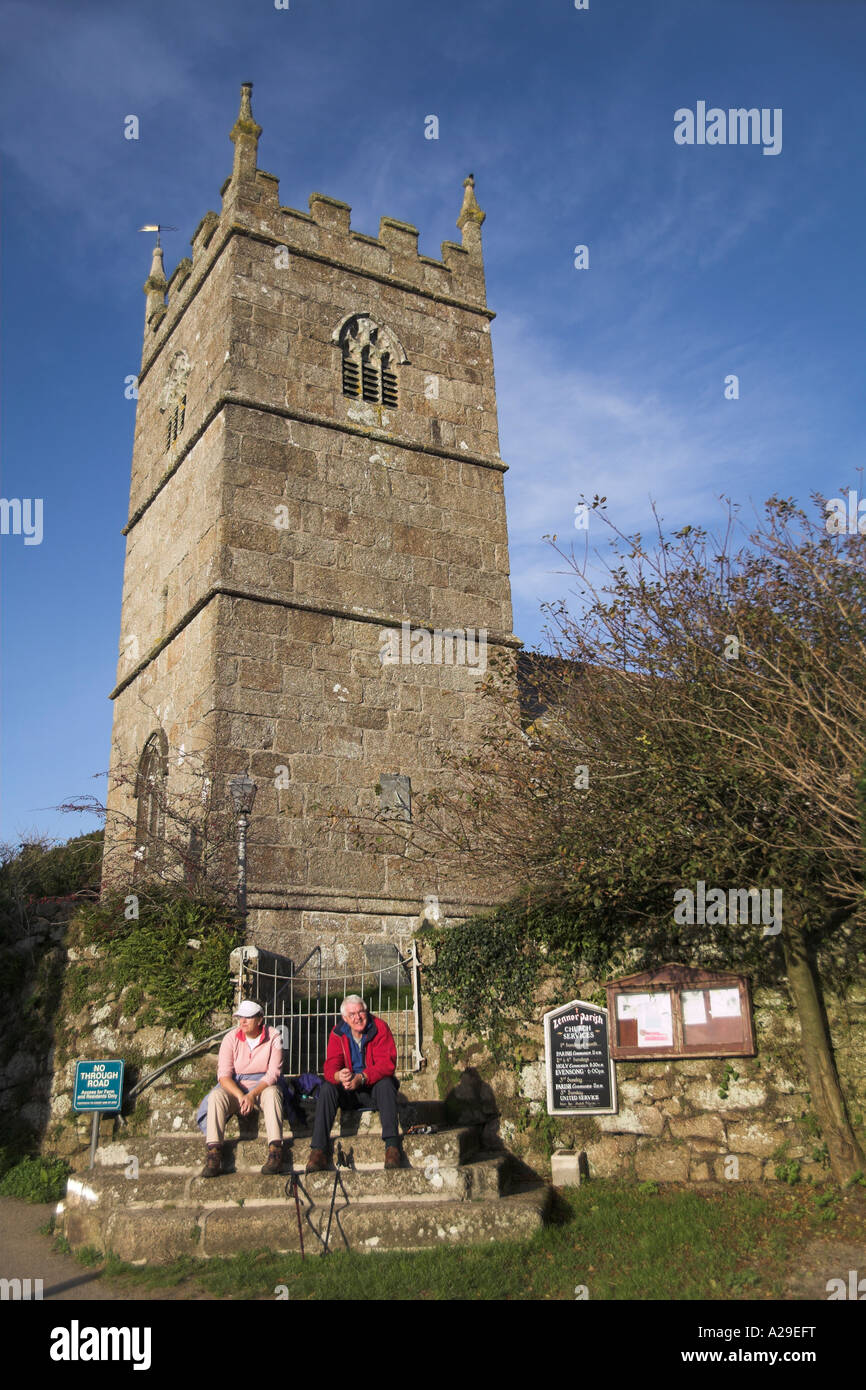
(251, 207)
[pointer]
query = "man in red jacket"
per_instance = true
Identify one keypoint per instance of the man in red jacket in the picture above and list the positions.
(359, 1075)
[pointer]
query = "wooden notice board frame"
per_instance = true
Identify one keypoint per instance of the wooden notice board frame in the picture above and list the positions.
(656, 1011)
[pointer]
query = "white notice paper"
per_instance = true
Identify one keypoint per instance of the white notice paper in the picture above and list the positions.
(654, 1022)
(628, 1005)
(694, 1010)
(725, 1003)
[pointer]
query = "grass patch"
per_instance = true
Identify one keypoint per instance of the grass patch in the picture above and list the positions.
(89, 1256)
(620, 1243)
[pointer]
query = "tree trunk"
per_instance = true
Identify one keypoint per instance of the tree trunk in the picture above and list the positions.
(846, 1155)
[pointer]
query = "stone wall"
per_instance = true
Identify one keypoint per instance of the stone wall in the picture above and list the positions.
(96, 1022)
(32, 959)
(689, 1120)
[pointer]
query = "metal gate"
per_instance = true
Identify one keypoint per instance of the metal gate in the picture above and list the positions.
(304, 1001)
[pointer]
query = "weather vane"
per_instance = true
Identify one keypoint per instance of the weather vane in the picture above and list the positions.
(157, 227)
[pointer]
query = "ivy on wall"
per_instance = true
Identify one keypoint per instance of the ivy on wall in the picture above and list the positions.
(488, 969)
(174, 954)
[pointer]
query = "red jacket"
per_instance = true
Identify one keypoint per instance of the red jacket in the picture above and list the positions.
(380, 1051)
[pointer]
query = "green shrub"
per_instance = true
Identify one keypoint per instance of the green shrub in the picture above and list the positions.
(825, 1204)
(40, 868)
(182, 984)
(488, 968)
(77, 987)
(36, 1179)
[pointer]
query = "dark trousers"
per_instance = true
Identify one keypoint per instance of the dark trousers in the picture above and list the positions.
(382, 1097)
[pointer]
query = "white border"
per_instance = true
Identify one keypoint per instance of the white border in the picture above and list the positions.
(95, 1109)
(613, 1109)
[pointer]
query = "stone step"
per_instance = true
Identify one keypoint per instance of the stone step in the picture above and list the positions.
(175, 1115)
(186, 1152)
(144, 1235)
(153, 1187)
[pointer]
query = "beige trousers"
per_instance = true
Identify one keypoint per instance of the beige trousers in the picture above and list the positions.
(222, 1104)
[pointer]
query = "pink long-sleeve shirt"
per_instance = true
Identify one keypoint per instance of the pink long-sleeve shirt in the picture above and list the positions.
(236, 1059)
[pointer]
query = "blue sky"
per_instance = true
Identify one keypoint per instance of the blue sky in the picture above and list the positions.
(703, 261)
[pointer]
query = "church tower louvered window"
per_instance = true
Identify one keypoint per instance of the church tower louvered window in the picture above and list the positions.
(172, 403)
(175, 422)
(370, 356)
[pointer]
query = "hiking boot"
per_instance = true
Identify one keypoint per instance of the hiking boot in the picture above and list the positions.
(214, 1165)
(393, 1158)
(318, 1161)
(275, 1157)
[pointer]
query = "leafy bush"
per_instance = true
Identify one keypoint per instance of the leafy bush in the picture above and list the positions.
(41, 868)
(184, 984)
(489, 967)
(728, 1075)
(36, 1179)
(826, 1205)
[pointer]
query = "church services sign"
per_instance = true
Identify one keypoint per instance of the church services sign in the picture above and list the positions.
(579, 1067)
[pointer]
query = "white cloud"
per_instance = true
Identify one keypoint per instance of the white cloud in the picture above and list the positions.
(568, 431)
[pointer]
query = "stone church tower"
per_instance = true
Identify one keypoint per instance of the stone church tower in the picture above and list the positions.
(315, 476)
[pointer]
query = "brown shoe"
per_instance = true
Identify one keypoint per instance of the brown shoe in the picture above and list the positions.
(318, 1161)
(214, 1165)
(275, 1157)
(393, 1157)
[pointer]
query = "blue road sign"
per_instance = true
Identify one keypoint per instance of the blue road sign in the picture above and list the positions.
(98, 1086)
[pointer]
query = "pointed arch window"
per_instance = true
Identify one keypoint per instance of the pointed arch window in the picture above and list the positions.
(150, 786)
(172, 402)
(371, 354)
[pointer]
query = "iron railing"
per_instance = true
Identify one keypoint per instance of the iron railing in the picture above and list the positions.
(304, 1001)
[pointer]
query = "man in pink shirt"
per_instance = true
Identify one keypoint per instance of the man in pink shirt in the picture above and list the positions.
(248, 1070)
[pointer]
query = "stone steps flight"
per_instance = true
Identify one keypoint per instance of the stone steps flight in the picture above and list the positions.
(448, 1192)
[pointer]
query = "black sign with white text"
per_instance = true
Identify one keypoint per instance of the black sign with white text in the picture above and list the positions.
(580, 1077)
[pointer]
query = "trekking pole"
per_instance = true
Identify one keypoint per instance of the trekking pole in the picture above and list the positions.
(293, 1183)
(298, 1213)
(340, 1163)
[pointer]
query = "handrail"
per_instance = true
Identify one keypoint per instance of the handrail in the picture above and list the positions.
(145, 1081)
(420, 1059)
(316, 951)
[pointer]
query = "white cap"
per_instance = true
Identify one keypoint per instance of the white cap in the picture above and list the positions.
(247, 1009)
